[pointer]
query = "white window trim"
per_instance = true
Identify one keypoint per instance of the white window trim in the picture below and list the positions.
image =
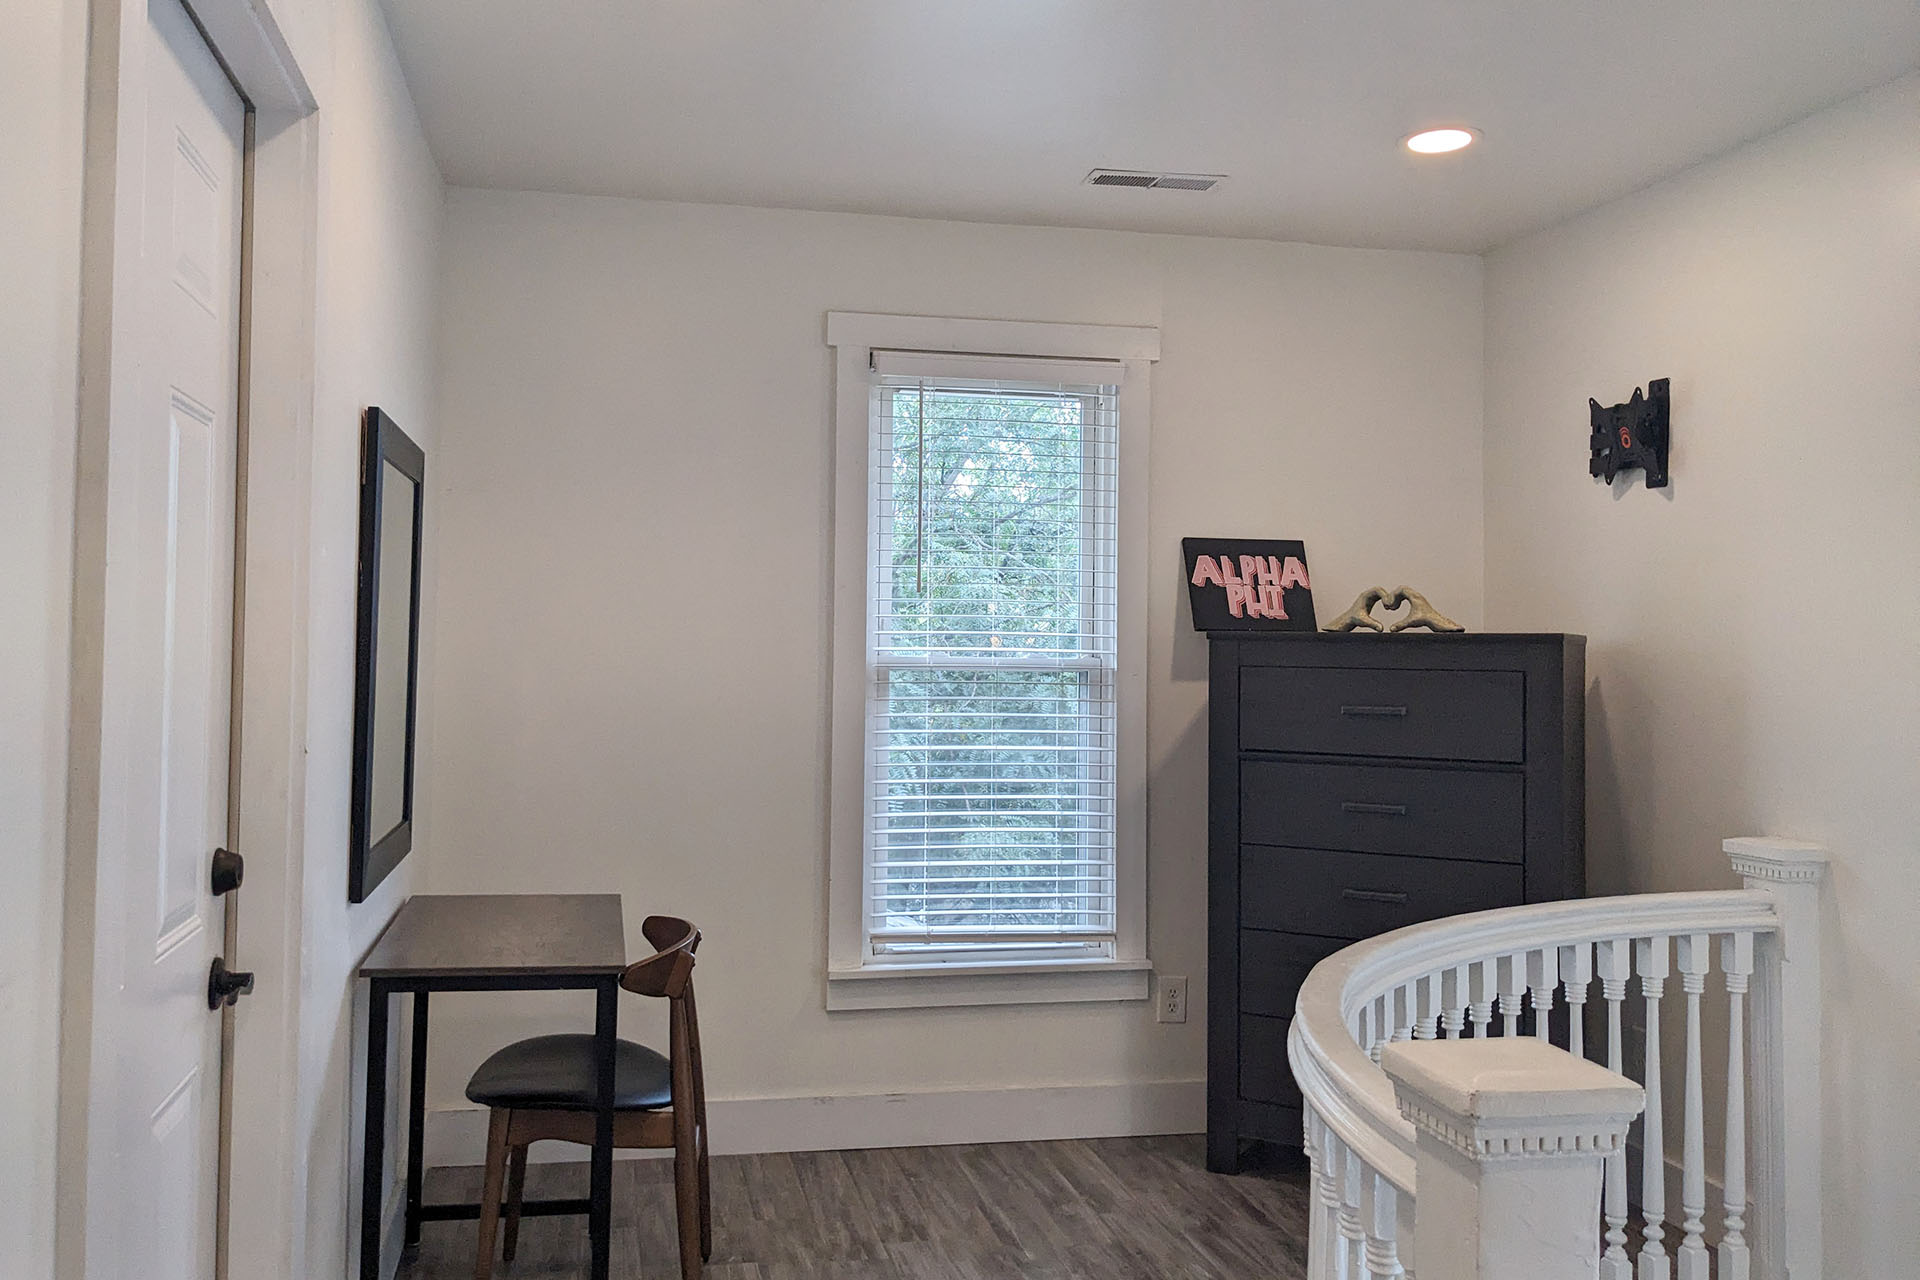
(857, 979)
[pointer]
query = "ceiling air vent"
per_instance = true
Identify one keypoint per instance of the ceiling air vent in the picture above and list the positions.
(1163, 181)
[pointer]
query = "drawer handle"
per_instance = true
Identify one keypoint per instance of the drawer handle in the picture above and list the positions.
(1375, 895)
(1375, 712)
(1384, 810)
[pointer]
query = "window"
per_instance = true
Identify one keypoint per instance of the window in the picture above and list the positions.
(988, 779)
(990, 706)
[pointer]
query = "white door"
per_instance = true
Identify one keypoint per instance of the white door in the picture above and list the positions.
(166, 666)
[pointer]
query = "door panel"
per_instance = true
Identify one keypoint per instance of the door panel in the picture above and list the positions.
(177, 1133)
(197, 619)
(166, 668)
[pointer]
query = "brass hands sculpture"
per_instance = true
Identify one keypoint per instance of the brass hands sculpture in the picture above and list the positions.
(1360, 616)
(1420, 612)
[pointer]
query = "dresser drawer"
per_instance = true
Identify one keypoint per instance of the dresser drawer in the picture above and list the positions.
(1437, 813)
(1268, 1121)
(1273, 965)
(1264, 1073)
(1356, 895)
(1429, 715)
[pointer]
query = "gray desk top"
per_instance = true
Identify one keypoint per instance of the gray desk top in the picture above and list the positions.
(485, 935)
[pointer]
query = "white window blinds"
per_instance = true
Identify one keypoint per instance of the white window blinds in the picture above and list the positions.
(990, 731)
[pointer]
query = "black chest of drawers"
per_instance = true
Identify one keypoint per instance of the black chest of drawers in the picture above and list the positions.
(1359, 783)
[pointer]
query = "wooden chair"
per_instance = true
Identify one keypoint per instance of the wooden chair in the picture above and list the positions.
(544, 1088)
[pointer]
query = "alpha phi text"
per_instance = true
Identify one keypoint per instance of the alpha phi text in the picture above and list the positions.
(1258, 589)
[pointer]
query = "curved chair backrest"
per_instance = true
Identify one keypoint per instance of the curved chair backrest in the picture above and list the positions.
(663, 933)
(668, 970)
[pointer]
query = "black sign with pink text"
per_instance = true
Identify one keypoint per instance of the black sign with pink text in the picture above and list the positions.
(1248, 584)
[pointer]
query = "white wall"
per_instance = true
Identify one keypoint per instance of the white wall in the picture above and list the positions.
(380, 224)
(635, 394)
(42, 99)
(378, 236)
(1754, 629)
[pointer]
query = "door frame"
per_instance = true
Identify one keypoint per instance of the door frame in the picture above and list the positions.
(262, 1218)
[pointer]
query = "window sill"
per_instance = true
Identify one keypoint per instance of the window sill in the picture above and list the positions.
(946, 985)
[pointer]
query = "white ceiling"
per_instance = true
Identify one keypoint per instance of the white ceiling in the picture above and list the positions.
(994, 110)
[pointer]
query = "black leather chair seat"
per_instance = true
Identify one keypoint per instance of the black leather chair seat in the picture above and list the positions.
(557, 1073)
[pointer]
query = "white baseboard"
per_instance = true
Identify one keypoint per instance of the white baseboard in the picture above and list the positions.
(741, 1126)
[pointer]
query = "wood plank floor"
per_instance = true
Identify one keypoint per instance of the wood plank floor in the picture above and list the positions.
(1109, 1209)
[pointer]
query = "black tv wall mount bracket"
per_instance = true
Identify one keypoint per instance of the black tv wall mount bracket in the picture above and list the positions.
(1634, 434)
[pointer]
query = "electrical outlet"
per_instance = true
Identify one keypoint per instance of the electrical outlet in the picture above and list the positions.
(1173, 1000)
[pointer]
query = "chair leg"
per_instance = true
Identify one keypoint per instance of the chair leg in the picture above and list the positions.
(706, 1201)
(686, 1197)
(516, 1192)
(497, 1122)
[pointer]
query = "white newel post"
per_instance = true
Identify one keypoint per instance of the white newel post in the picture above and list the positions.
(1784, 1073)
(1512, 1139)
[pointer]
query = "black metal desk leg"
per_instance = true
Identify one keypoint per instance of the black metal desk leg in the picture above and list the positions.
(600, 1220)
(416, 1121)
(374, 1146)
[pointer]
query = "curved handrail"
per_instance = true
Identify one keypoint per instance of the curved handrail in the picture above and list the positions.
(1353, 1096)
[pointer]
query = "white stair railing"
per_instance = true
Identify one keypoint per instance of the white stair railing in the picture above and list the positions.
(1483, 1113)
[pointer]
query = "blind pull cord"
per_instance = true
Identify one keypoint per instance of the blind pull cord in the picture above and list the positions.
(920, 504)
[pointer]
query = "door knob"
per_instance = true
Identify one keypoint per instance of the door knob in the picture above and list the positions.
(229, 869)
(224, 985)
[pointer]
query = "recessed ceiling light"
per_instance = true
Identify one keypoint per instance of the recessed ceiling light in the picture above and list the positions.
(1435, 141)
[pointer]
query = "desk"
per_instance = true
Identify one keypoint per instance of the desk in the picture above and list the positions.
(492, 942)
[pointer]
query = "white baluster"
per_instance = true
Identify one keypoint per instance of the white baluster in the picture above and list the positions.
(1332, 1181)
(1426, 993)
(1692, 956)
(1614, 960)
(1400, 1005)
(1353, 1235)
(1319, 1225)
(1363, 1034)
(1543, 975)
(1382, 1025)
(1403, 1235)
(1456, 993)
(1513, 989)
(1333, 1246)
(1650, 960)
(1485, 984)
(1576, 971)
(1736, 961)
(1383, 1227)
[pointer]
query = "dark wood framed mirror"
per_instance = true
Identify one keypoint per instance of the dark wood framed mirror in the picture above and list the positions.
(387, 665)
